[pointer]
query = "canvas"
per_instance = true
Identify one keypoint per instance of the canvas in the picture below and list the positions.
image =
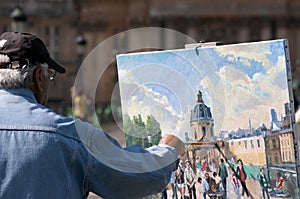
(237, 98)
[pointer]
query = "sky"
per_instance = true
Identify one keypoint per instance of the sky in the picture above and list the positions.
(239, 82)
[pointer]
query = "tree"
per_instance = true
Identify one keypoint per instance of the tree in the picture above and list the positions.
(137, 132)
(154, 130)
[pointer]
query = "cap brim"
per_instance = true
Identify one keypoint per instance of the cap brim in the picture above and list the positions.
(56, 66)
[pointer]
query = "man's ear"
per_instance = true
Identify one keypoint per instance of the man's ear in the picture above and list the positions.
(39, 78)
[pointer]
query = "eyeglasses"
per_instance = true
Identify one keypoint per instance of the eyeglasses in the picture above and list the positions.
(51, 73)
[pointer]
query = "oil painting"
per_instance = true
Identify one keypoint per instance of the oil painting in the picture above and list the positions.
(232, 105)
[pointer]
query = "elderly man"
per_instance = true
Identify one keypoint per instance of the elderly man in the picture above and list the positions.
(47, 155)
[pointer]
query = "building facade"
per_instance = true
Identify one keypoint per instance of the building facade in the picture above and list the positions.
(249, 149)
(286, 137)
(201, 122)
(59, 22)
(273, 148)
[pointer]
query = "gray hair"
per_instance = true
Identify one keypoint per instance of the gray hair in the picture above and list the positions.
(22, 77)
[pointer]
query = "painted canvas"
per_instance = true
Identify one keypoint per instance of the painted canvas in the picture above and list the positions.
(237, 96)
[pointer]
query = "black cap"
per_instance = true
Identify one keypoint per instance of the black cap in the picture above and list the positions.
(21, 46)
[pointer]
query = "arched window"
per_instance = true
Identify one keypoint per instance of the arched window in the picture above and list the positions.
(203, 131)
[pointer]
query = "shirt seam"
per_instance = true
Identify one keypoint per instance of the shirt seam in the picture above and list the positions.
(38, 128)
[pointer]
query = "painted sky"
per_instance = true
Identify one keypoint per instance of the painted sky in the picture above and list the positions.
(238, 82)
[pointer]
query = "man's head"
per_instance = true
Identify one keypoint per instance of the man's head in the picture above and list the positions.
(215, 174)
(206, 175)
(25, 62)
(199, 180)
(240, 162)
(181, 163)
(188, 164)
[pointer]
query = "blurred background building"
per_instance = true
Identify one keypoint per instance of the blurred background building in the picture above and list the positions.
(72, 28)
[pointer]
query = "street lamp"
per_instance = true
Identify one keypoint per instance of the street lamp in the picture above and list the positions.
(18, 19)
(81, 45)
(265, 134)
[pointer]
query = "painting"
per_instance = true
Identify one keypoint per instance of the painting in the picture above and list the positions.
(237, 96)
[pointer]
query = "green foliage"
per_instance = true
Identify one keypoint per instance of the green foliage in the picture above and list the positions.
(107, 113)
(290, 186)
(141, 133)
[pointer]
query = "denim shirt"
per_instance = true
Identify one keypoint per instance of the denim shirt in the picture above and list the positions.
(46, 155)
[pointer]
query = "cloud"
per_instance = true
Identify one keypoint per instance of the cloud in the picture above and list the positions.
(145, 101)
(252, 98)
(245, 50)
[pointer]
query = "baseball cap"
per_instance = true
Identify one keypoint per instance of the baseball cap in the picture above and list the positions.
(25, 46)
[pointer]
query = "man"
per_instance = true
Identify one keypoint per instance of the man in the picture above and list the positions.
(218, 181)
(198, 166)
(242, 176)
(190, 179)
(263, 184)
(46, 155)
(223, 174)
(202, 187)
(279, 182)
(173, 185)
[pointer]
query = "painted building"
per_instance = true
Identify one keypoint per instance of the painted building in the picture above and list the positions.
(201, 123)
(286, 137)
(273, 148)
(249, 149)
(287, 147)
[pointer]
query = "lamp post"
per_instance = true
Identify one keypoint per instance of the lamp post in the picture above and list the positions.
(265, 135)
(18, 19)
(81, 45)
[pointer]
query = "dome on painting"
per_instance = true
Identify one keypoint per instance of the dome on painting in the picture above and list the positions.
(200, 111)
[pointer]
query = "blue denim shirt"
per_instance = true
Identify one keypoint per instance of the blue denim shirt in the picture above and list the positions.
(46, 155)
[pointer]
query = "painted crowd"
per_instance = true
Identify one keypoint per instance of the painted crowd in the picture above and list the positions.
(216, 179)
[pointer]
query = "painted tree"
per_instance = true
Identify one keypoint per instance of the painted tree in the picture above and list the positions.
(137, 132)
(153, 129)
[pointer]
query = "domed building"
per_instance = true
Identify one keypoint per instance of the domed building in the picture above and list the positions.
(201, 122)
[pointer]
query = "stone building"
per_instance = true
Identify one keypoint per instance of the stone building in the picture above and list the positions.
(59, 22)
(273, 148)
(286, 137)
(201, 123)
(250, 149)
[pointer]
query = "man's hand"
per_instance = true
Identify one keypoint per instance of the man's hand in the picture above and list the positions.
(173, 141)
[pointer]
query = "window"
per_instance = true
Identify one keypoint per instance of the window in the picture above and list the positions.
(274, 144)
(246, 146)
(258, 143)
(275, 158)
(4, 28)
(52, 38)
(252, 145)
(203, 131)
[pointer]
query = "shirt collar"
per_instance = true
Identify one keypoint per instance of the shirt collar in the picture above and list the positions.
(24, 92)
